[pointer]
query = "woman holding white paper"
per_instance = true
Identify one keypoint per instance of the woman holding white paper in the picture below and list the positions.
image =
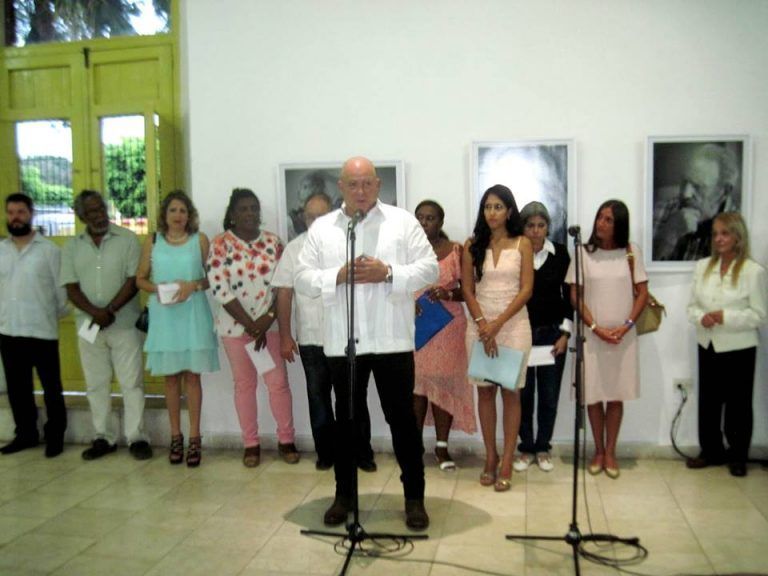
(497, 281)
(611, 306)
(181, 343)
(550, 313)
(441, 364)
(241, 264)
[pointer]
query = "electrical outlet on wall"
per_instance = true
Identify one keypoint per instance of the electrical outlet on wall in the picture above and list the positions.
(682, 384)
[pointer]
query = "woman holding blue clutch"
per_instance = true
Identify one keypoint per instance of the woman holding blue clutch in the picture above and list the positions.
(497, 281)
(441, 364)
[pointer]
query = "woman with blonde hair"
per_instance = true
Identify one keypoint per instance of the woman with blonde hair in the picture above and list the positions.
(729, 301)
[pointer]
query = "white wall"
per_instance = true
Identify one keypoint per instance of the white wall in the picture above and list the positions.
(298, 81)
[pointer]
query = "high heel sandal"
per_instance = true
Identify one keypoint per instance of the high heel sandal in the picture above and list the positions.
(194, 452)
(503, 481)
(176, 454)
(489, 478)
(445, 462)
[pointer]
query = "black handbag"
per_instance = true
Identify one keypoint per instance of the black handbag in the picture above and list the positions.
(142, 322)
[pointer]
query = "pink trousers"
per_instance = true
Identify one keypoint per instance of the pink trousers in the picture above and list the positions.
(246, 377)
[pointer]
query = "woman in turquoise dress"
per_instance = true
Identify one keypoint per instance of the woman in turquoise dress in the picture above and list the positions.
(181, 342)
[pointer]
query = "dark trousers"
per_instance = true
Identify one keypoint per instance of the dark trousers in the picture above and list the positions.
(319, 388)
(726, 381)
(544, 380)
(394, 376)
(20, 355)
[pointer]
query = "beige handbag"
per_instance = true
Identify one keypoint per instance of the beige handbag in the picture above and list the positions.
(649, 319)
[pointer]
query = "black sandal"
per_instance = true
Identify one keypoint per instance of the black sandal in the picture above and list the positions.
(194, 452)
(176, 454)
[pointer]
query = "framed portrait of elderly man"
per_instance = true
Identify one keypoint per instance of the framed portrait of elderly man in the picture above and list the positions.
(541, 170)
(298, 183)
(689, 181)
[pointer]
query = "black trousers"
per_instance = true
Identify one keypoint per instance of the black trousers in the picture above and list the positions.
(394, 377)
(726, 381)
(20, 355)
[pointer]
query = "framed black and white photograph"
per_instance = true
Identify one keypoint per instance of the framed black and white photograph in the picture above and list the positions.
(541, 170)
(298, 182)
(689, 180)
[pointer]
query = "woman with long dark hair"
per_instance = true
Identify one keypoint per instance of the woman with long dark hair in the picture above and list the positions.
(611, 305)
(497, 281)
(441, 364)
(729, 302)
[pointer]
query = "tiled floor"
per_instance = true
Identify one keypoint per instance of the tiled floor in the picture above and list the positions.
(119, 517)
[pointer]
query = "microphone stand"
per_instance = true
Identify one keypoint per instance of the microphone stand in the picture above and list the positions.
(356, 534)
(574, 538)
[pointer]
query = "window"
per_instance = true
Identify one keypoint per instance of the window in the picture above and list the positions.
(43, 21)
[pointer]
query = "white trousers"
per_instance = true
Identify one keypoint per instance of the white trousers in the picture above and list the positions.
(118, 350)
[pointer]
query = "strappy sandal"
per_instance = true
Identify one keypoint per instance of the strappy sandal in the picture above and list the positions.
(194, 452)
(502, 484)
(176, 454)
(489, 478)
(444, 460)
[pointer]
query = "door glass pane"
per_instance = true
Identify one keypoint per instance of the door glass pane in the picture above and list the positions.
(123, 152)
(36, 22)
(44, 150)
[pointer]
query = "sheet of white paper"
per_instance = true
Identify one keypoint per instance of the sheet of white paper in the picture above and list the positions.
(167, 292)
(541, 356)
(261, 359)
(88, 331)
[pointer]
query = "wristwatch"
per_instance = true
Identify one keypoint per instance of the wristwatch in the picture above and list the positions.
(388, 277)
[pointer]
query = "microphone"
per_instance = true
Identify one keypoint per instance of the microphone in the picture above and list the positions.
(358, 216)
(574, 231)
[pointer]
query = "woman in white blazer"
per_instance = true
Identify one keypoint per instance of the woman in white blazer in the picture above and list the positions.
(728, 303)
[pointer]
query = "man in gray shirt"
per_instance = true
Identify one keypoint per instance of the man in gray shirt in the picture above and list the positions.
(31, 304)
(99, 272)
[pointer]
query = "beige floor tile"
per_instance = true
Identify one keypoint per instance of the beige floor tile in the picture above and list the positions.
(129, 494)
(12, 527)
(43, 552)
(201, 561)
(461, 559)
(79, 482)
(733, 555)
(88, 565)
(87, 522)
(295, 554)
(724, 523)
(39, 505)
(233, 534)
(139, 541)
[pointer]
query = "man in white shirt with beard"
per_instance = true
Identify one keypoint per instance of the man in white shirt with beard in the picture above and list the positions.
(392, 260)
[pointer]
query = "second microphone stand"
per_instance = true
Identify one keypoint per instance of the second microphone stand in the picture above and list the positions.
(356, 534)
(574, 538)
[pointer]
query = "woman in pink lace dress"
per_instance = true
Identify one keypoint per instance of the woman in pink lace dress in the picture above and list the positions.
(441, 364)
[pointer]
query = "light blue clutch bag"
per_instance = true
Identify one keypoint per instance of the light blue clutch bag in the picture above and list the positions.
(504, 370)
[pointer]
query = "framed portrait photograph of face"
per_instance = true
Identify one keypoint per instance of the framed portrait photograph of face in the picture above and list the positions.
(297, 183)
(534, 170)
(689, 181)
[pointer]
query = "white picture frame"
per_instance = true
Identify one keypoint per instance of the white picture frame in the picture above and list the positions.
(296, 181)
(679, 173)
(541, 170)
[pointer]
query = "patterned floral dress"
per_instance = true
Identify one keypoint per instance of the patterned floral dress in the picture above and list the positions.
(441, 364)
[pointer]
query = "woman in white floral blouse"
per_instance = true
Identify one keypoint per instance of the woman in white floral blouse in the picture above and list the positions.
(241, 263)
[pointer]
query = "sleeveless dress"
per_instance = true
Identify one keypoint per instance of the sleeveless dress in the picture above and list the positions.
(441, 364)
(180, 336)
(498, 287)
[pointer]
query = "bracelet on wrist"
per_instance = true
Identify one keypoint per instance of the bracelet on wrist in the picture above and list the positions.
(629, 322)
(593, 326)
(478, 319)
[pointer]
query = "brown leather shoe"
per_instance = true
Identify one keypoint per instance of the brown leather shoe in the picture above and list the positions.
(416, 517)
(288, 453)
(702, 462)
(337, 513)
(252, 456)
